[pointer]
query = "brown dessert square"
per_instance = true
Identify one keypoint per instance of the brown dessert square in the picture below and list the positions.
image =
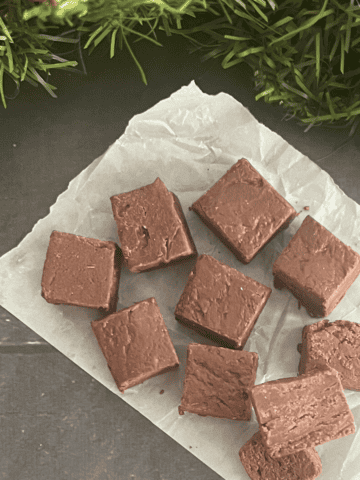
(152, 228)
(335, 344)
(303, 465)
(244, 211)
(217, 381)
(221, 303)
(301, 412)
(317, 268)
(81, 271)
(136, 343)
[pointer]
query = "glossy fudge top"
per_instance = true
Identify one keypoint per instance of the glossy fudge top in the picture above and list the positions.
(81, 271)
(300, 412)
(217, 380)
(152, 228)
(303, 465)
(244, 210)
(336, 344)
(135, 343)
(317, 261)
(222, 300)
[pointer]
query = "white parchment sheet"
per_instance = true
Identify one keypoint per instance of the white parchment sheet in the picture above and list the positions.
(190, 140)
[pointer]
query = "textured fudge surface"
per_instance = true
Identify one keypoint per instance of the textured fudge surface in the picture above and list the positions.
(303, 465)
(152, 228)
(336, 344)
(244, 210)
(135, 343)
(300, 412)
(81, 271)
(217, 381)
(220, 302)
(316, 267)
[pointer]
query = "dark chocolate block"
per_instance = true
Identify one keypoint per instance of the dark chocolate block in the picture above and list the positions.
(152, 228)
(81, 271)
(317, 268)
(303, 465)
(301, 412)
(335, 344)
(244, 211)
(136, 343)
(221, 303)
(217, 381)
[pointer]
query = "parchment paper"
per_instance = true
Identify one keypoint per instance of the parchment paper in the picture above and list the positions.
(190, 140)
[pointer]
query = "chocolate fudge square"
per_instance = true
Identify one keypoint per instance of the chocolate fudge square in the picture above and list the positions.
(152, 228)
(244, 211)
(303, 465)
(81, 271)
(336, 344)
(221, 303)
(136, 344)
(317, 268)
(301, 412)
(217, 381)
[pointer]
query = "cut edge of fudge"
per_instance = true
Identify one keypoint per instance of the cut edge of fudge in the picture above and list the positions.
(316, 305)
(306, 364)
(107, 305)
(154, 262)
(125, 381)
(230, 402)
(259, 465)
(318, 433)
(241, 256)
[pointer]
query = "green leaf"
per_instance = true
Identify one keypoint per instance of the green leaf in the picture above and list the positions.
(25, 69)
(47, 86)
(93, 35)
(335, 47)
(9, 55)
(102, 36)
(250, 51)
(112, 46)
(331, 107)
(233, 37)
(264, 93)
(270, 62)
(60, 65)
(301, 84)
(295, 90)
(348, 34)
(1, 83)
(58, 39)
(317, 46)
(306, 25)
(135, 59)
(130, 30)
(6, 31)
(260, 12)
(282, 22)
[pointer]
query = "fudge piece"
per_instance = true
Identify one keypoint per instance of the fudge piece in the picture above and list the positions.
(300, 412)
(221, 303)
(217, 381)
(81, 271)
(303, 465)
(336, 344)
(152, 228)
(136, 344)
(317, 268)
(244, 211)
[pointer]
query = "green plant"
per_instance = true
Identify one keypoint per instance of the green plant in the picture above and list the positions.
(304, 53)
